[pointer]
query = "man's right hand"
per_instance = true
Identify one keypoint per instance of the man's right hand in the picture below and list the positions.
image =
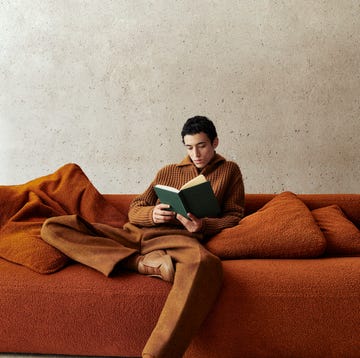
(161, 214)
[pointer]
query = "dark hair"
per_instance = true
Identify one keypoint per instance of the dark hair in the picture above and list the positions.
(199, 124)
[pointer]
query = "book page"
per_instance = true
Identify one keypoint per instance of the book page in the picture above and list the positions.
(197, 180)
(168, 188)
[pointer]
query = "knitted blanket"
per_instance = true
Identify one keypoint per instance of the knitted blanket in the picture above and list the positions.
(24, 208)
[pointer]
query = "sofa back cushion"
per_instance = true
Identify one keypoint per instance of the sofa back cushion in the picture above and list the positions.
(283, 228)
(342, 236)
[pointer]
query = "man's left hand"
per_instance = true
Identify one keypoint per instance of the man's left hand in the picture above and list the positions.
(193, 224)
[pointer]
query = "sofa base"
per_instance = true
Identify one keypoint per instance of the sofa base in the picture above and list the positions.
(267, 308)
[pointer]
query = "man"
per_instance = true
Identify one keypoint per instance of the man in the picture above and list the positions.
(155, 239)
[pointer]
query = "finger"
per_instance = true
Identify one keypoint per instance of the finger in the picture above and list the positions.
(163, 206)
(181, 218)
(162, 217)
(193, 217)
(167, 212)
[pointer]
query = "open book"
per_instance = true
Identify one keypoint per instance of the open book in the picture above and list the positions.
(196, 197)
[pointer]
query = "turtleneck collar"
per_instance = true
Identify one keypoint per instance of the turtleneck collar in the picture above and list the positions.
(213, 162)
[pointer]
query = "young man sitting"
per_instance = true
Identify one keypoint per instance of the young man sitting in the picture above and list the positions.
(161, 243)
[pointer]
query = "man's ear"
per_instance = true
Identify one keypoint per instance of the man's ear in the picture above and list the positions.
(215, 142)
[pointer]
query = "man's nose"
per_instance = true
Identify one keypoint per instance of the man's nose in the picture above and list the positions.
(196, 152)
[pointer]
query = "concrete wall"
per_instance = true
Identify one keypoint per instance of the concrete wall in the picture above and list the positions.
(108, 85)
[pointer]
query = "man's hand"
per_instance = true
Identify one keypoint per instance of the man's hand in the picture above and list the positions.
(193, 224)
(160, 215)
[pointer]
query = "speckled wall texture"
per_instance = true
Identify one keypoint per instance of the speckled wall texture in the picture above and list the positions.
(108, 84)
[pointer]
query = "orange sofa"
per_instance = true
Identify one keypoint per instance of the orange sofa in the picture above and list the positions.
(269, 307)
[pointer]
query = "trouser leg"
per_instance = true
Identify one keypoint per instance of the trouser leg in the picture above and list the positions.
(98, 246)
(198, 279)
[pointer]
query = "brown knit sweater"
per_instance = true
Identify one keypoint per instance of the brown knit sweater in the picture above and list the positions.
(225, 178)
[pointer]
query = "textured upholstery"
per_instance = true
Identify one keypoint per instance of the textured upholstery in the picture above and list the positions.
(267, 308)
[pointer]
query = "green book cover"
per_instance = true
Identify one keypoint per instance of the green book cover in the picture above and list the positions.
(196, 197)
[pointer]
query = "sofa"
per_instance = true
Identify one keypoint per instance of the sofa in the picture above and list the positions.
(295, 301)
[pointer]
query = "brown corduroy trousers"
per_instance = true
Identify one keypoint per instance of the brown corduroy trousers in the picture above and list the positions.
(198, 275)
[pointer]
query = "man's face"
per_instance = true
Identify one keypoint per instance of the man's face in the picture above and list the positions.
(200, 149)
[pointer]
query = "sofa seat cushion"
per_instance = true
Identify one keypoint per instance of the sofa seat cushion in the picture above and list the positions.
(267, 308)
(283, 228)
(77, 311)
(273, 308)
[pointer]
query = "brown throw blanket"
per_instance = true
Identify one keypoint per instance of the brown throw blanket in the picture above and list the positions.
(24, 208)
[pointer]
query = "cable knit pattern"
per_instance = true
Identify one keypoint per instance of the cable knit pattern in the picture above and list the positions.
(225, 178)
